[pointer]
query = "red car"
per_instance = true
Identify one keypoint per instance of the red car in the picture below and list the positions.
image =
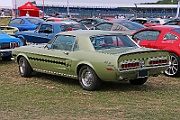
(163, 38)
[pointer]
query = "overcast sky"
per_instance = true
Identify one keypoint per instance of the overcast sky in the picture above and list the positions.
(99, 2)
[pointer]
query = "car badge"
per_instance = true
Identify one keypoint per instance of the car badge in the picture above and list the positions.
(142, 63)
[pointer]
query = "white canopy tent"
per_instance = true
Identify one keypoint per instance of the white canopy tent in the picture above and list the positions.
(6, 4)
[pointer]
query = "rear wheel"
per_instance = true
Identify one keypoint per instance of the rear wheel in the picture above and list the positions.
(139, 81)
(25, 69)
(174, 67)
(88, 78)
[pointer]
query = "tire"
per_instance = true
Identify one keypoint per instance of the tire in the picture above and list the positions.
(174, 68)
(23, 41)
(139, 81)
(88, 79)
(25, 69)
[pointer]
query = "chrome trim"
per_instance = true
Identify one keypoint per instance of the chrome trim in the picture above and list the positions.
(55, 73)
(144, 68)
(6, 50)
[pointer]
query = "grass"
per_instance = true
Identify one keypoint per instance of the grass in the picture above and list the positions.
(48, 97)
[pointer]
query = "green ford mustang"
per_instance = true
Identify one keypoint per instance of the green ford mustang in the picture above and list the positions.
(92, 57)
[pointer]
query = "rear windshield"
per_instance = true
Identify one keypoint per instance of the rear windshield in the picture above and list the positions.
(177, 30)
(34, 20)
(111, 42)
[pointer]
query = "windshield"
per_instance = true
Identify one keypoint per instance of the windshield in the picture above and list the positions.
(111, 42)
(132, 25)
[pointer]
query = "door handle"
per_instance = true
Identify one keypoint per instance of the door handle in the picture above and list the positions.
(66, 53)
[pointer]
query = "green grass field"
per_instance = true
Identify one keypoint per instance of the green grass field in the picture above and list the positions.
(47, 97)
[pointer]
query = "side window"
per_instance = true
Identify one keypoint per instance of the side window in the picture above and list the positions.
(46, 28)
(105, 26)
(22, 22)
(63, 43)
(170, 36)
(146, 35)
(15, 21)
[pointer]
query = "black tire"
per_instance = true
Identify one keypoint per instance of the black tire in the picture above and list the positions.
(25, 69)
(139, 81)
(23, 41)
(88, 79)
(174, 68)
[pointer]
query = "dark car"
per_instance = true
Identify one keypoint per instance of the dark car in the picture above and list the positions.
(173, 21)
(118, 25)
(25, 23)
(89, 22)
(7, 44)
(45, 32)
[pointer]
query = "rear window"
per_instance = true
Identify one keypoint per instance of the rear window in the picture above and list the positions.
(34, 20)
(176, 30)
(111, 42)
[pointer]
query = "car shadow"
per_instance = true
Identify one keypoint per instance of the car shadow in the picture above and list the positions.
(106, 86)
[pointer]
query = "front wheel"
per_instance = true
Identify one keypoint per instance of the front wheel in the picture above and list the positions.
(139, 81)
(174, 67)
(25, 69)
(88, 79)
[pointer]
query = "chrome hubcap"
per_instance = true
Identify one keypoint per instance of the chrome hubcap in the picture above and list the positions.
(22, 66)
(87, 77)
(173, 68)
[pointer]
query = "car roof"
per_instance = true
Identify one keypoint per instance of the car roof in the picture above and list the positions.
(92, 32)
(170, 27)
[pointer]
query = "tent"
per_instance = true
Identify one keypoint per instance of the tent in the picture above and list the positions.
(30, 8)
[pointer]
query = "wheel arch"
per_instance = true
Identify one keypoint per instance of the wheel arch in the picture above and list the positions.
(22, 55)
(82, 64)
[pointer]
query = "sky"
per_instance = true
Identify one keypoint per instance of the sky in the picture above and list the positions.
(94, 2)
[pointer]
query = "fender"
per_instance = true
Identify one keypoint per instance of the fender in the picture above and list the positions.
(173, 49)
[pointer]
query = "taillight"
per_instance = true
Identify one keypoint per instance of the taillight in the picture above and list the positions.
(158, 61)
(129, 65)
(14, 44)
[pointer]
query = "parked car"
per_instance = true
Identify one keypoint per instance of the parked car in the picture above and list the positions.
(118, 25)
(173, 21)
(163, 38)
(4, 21)
(54, 19)
(25, 23)
(7, 44)
(45, 32)
(89, 22)
(147, 21)
(92, 57)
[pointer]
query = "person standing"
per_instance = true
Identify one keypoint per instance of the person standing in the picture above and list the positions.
(27, 13)
(2, 13)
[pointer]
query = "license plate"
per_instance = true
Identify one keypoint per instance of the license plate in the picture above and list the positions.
(143, 74)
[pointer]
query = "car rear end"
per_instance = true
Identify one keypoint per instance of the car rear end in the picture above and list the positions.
(142, 64)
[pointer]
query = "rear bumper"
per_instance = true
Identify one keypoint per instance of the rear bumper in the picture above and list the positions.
(134, 74)
(5, 52)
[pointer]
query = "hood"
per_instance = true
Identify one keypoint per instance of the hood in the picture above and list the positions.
(120, 51)
(4, 20)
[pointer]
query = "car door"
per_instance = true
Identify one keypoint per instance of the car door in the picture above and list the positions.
(169, 39)
(41, 34)
(147, 38)
(56, 56)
